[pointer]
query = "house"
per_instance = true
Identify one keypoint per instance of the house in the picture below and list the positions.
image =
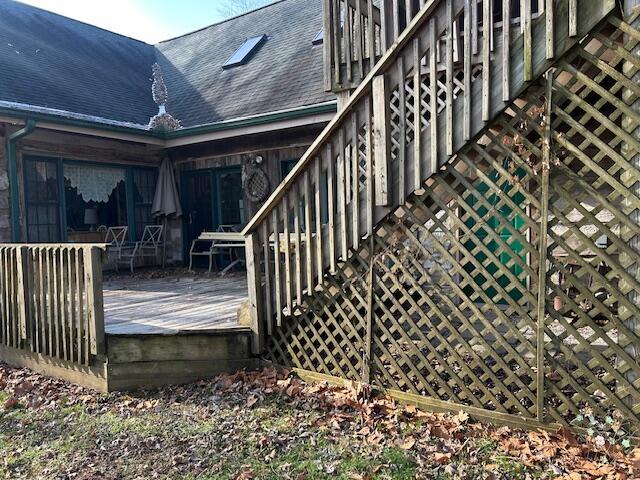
(464, 234)
(76, 103)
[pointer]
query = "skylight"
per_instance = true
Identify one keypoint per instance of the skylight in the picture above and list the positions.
(244, 53)
(319, 38)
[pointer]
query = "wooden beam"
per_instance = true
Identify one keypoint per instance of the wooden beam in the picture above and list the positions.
(368, 343)
(543, 265)
(417, 114)
(381, 138)
(93, 279)
(22, 266)
(466, 65)
(506, 51)
(628, 178)
(548, 12)
(573, 18)
(252, 253)
(327, 43)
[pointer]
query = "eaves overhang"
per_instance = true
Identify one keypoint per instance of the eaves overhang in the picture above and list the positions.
(318, 113)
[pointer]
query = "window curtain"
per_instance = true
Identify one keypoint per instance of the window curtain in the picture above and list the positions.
(94, 183)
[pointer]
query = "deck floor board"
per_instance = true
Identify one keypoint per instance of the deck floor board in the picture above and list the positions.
(173, 305)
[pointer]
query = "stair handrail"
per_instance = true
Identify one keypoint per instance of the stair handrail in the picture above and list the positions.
(366, 85)
(397, 130)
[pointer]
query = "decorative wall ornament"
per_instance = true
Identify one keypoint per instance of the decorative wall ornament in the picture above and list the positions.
(163, 121)
(255, 182)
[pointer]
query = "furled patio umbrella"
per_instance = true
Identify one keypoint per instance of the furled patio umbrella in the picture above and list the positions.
(166, 201)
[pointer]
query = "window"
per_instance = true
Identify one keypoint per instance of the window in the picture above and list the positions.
(42, 200)
(64, 199)
(319, 38)
(144, 188)
(231, 205)
(244, 53)
(286, 166)
(94, 195)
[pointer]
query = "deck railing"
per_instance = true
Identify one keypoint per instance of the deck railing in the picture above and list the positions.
(388, 141)
(51, 300)
(359, 32)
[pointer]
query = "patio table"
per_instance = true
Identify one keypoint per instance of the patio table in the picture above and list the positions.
(230, 240)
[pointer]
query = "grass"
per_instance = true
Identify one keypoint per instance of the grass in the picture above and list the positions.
(238, 430)
(272, 441)
(41, 443)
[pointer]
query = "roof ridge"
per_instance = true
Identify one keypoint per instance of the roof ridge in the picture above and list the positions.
(81, 22)
(271, 4)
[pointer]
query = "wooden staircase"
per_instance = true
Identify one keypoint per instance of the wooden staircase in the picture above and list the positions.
(438, 86)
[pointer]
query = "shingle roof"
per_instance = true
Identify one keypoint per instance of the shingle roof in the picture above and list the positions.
(51, 61)
(54, 62)
(285, 72)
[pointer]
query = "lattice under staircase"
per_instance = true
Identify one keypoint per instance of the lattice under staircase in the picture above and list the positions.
(420, 263)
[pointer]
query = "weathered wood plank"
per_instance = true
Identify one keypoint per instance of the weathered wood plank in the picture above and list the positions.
(381, 139)
(252, 249)
(93, 279)
(417, 114)
(317, 179)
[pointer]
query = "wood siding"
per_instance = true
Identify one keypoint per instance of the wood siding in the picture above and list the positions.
(5, 222)
(274, 148)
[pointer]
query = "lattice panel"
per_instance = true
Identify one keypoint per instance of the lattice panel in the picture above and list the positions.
(328, 336)
(452, 300)
(454, 311)
(442, 326)
(591, 333)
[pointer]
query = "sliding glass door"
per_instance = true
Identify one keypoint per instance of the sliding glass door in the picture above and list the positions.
(211, 199)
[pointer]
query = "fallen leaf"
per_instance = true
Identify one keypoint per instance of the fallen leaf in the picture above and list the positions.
(442, 458)
(10, 403)
(406, 444)
(410, 409)
(375, 438)
(462, 417)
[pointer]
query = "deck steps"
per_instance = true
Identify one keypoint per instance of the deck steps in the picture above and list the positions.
(135, 361)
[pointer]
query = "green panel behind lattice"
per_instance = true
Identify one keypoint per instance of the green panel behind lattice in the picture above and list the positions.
(491, 221)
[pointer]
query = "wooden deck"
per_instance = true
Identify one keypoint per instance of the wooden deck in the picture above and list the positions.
(173, 305)
(160, 331)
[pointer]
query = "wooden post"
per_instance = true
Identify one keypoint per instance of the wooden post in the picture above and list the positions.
(381, 138)
(628, 179)
(368, 342)
(22, 267)
(573, 18)
(542, 248)
(252, 252)
(386, 24)
(327, 44)
(93, 278)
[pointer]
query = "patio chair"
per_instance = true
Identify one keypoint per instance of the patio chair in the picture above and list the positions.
(150, 245)
(203, 246)
(116, 237)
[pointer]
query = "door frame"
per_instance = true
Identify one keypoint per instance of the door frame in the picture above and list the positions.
(214, 178)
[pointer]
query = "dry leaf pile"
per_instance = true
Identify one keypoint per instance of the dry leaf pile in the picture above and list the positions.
(272, 413)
